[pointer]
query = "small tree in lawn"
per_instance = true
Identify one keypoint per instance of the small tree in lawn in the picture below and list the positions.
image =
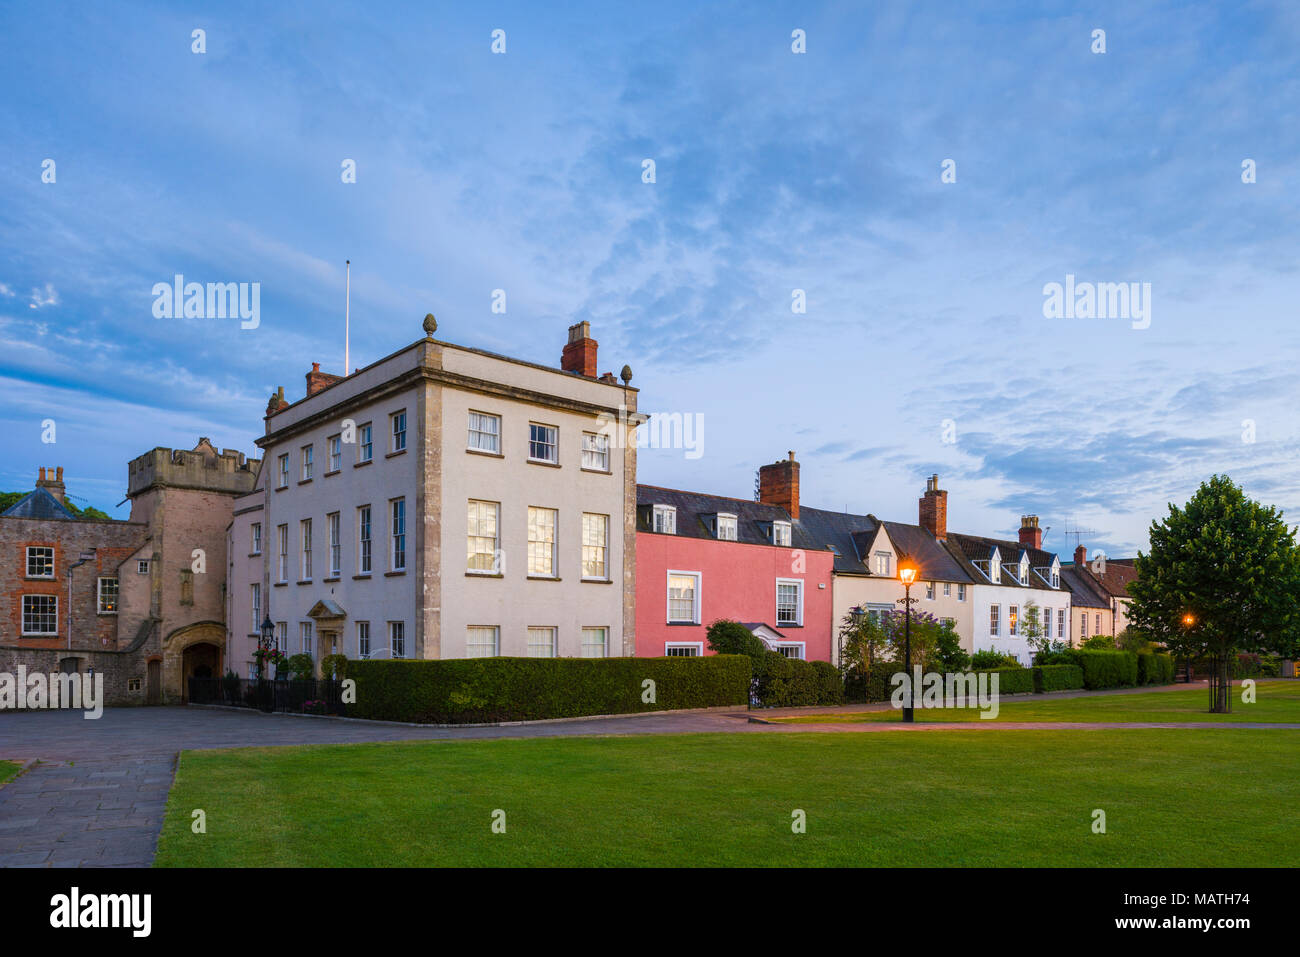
(1035, 634)
(1223, 576)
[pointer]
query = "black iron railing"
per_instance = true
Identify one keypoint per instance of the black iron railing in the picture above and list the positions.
(303, 696)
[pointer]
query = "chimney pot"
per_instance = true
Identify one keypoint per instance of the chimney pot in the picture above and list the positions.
(1081, 554)
(1030, 534)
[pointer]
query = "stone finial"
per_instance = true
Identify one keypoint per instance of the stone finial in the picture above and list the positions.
(626, 374)
(430, 325)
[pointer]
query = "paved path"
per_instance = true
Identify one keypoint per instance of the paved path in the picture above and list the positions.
(98, 794)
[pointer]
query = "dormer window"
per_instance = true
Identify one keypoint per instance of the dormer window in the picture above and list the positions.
(882, 563)
(781, 533)
(1024, 571)
(665, 519)
(995, 567)
(724, 527)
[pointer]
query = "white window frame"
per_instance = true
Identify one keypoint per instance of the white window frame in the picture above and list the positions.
(142, 566)
(929, 591)
(695, 646)
(54, 617)
(333, 453)
(365, 443)
(1013, 619)
(364, 649)
(797, 646)
(1060, 623)
(282, 559)
(798, 583)
(308, 454)
(41, 560)
(397, 431)
(306, 638)
(397, 639)
(782, 534)
(1047, 623)
(553, 543)
(586, 645)
(595, 451)
(99, 594)
(552, 645)
(255, 533)
(474, 541)
(334, 526)
(551, 432)
(591, 548)
(397, 534)
(995, 620)
(365, 540)
(282, 477)
(664, 519)
(255, 606)
(474, 649)
(961, 591)
(478, 434)
(304, 540)
(728, 521)
(695, 598)
(884, 561)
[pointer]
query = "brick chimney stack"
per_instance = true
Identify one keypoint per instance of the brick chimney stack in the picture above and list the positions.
(1030, 533)
(778, 484)
(1081, 554)
(933, 509)
(580, 351)
(53, 483)
(317, 380)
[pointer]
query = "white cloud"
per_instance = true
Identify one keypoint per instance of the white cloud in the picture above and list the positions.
(46, 297)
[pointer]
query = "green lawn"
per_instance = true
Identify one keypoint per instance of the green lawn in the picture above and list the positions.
(1192, 798)
(1275, 702)
(8, 769)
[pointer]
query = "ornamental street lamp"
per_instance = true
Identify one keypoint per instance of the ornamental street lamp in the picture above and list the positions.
(267, 642)
(907, 575)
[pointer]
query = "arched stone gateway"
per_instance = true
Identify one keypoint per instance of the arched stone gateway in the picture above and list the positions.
(188, 652)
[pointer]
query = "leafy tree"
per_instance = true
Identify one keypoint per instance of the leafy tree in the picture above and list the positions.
(9, 499)
(1223, 576)
(862, 641)
(1098, 643)
(727, 637)
(1130, 639)
(948, 650)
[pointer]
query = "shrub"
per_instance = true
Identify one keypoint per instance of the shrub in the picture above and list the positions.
(334, 666)
(830, 686)
(1057, 678)
(1098, 643)
(870, 685)
(1154, 669)
(727, 637)
(989, 660)
(1106, 669)
(474, 690)
(1015, 680)
(301, 665)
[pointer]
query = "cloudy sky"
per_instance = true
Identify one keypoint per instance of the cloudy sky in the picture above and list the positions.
(923, 348)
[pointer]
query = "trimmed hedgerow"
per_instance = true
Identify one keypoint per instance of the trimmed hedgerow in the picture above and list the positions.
(793, 683)
(1107, 669)
(1012, 680)
(476, 690)
(1154, 669)
(1057, 678)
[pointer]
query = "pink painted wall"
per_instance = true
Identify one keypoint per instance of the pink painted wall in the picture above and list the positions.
(738, 581)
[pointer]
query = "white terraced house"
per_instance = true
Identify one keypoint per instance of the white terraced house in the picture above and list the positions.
(443, 502)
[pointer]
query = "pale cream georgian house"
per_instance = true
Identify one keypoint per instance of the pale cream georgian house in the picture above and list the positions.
(443, 502)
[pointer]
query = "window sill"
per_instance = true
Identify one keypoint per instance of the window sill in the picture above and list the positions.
(393, 455)
(330, 472)
(281, 488)
(596, 471)
(333, 578)
(25, 635)
(491, 455)
(361, 577)
(484, 575)
(280, 585)
(395, 574)
(684, 624)
(304, 481)
(789, 625)
(105, 614)
(304, 581)
(544, 463)
(544, 578)
(40, 578)
(254, 554)
(357, 465)
(598, 581)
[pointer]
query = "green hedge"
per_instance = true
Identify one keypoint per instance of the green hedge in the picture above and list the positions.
(1106, 669)
(1012, 680)
(477, 690)
(869, 686)
(1057, 678)
(1154, 669)
(792, 683)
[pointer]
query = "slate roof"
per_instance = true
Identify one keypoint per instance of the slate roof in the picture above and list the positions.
(1114, 584)
(38, 504)
(752, 518)
(968, 549)
(1084, 590)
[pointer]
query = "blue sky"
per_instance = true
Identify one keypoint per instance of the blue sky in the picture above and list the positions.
(775, 171)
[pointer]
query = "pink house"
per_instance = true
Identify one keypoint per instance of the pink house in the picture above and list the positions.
(704, 557)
